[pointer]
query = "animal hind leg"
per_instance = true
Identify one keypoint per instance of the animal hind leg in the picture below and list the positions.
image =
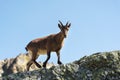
(35, 56)
(38, 65)
(29, 64)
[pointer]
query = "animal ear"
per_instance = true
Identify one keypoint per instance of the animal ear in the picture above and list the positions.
(60, 26)
(69, 25)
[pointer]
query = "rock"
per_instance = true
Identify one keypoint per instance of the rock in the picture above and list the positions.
(99, 66)
(17, 64)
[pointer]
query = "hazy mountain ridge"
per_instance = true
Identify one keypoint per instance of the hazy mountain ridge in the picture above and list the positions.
(99, 66)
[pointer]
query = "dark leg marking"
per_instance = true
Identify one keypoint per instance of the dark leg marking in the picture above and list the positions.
(48, 57)
(58, 55)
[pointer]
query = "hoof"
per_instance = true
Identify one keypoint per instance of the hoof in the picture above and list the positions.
(27, 69)
(39, 66)
(44, 65)
(59, 62)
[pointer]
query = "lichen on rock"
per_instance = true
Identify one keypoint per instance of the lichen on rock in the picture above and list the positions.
(98, 66)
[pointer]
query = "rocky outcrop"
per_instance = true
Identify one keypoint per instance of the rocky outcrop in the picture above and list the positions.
(99, 66)
(18, 64)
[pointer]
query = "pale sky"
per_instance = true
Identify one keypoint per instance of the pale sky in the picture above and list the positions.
(95, 26)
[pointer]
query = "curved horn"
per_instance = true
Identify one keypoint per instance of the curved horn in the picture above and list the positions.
(67, 23)
(60, 23)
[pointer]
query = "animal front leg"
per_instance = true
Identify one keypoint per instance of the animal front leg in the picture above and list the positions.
(58, 55)
(48, 57)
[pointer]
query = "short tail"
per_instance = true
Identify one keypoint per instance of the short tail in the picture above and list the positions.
(26, 48)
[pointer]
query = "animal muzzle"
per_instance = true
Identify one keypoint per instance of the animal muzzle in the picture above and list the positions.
(65, 36)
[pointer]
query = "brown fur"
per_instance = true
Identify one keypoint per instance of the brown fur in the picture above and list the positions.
(46, 45)
(55, 41)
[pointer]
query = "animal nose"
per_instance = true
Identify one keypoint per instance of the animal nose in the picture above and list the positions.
(65, 36)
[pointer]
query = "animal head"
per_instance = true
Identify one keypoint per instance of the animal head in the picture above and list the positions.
(64, 28)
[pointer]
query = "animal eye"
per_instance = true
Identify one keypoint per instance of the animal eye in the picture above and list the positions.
(67, 29)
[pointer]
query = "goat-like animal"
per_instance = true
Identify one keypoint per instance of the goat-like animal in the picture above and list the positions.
(46, 45)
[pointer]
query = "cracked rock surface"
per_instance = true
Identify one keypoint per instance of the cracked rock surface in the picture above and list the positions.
(98, 66)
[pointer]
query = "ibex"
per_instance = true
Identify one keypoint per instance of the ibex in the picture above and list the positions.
(46, 45)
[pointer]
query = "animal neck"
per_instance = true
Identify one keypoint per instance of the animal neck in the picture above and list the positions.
(59, 37)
